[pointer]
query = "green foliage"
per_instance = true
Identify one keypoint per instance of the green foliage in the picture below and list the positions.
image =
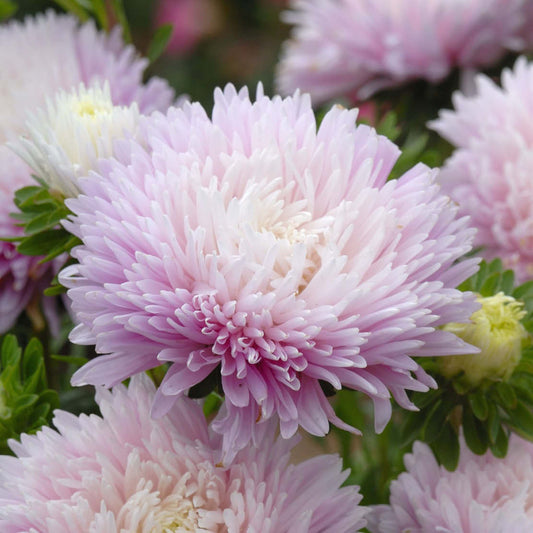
(488, 412)
(26, 402)
(417, 145)
(40, 212)
(159, 42)
(7, 8)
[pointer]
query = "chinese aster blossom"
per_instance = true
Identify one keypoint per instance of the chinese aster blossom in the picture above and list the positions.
(125, 472)
(252, 247)
(40, 56)
(76, 130)
(358, 47)
(489, 174)
(483, 495)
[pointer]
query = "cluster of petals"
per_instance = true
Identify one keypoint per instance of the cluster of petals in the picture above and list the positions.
(78, 128)
(254, 250)
(489, 173)
(483, 495)
(358, 47)
(40, 56)
(125, 472)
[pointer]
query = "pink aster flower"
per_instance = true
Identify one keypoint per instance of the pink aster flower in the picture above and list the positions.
(192, 20)
(253, 249)
(128, 472)
(39, 56)
(489, 174)
(483, 495)
(358, 47)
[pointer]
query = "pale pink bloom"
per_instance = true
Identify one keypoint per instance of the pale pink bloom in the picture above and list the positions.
(489, 174)
(358, 47)
(192, 20)
(125, 472)
(483, 495)
(39, 56)
(277, 257)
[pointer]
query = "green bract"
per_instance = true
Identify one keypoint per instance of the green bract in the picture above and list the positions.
(486, 406)
(26, 403)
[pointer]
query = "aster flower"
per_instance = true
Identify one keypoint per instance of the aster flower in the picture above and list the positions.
(252, 251)
(40, 56)
(77, 129)
(358, 47)
(489, 172)
(484, 494)
(128, 472)
(497, 330)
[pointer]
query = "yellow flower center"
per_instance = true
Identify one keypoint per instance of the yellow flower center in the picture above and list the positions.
(495, 329)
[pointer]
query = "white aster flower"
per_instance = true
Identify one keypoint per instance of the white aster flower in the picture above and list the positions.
(77, 128)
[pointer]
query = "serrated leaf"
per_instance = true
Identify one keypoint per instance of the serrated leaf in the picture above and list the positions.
(446, 448)
(475, 434)
(159, 42)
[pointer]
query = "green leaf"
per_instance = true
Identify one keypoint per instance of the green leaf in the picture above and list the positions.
(490, 285)
(211, 404)
(413, 423)
(11, 352)
(436, 420)
(76, 7)
(7, 8)
(70, 359)
(25, 401)
(118, 8)
(479, 404)
(47, 220)
(500, 445)
(521, 420)
(493, 422)
(446, 448)
(159, 42)
(474, 431)
(506, 394)
(41, 243)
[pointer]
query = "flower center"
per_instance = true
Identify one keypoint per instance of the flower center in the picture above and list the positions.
(175, 515)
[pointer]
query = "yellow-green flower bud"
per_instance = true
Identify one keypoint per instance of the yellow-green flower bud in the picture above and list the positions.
(495, 329)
